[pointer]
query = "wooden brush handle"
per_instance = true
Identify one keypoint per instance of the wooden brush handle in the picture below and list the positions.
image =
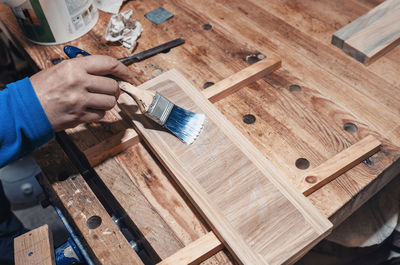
(142, 97)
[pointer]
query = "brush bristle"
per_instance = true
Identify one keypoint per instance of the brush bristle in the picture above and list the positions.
(186, 125)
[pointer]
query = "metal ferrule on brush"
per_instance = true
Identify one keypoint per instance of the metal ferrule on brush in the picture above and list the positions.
(159, 109)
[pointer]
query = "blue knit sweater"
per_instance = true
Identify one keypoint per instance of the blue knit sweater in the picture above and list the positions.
(23, 123)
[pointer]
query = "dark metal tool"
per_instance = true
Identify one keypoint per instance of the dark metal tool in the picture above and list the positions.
(74, 51)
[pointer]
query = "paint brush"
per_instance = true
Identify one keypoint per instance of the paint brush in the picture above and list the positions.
(184, 124)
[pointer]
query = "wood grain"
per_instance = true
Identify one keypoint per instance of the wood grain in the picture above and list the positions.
(155, 185)
(35, 247)
(195, 252)
(156, 232)
(220, 190)
(338, 164)
(242, 78)
(373, 34)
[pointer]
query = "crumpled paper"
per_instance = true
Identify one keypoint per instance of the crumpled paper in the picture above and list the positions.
(124, 29)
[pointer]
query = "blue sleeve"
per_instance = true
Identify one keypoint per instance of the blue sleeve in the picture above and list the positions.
(23, 123)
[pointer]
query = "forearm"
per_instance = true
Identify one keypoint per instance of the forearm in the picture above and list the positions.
(23, 123)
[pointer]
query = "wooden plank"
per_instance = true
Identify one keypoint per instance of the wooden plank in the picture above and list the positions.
(338, 164)
(240, 222)
(373, 34)
(35, 247)
(242, 78)
(105, 242)
(156, 233)
(195, 252)
(111, 146)
(364, 21)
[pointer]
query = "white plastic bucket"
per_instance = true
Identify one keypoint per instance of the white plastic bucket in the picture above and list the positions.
(51, 22)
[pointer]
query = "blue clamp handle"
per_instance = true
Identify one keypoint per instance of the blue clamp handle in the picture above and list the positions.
(73, 51)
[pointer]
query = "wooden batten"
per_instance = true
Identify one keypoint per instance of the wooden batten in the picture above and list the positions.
(111, 146)
(339, 164)
(195, 252)
(242, 78)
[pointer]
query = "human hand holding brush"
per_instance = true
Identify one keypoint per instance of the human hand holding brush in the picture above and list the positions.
(184, 124)
(78, 91)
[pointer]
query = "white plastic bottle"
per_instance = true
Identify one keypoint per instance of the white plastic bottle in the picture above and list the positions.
(54, 21)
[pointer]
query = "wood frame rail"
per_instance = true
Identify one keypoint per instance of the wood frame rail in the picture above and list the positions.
(195, 252)
(338, 164)
(242, 78)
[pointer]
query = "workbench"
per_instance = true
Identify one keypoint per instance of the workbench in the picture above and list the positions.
(319, 102)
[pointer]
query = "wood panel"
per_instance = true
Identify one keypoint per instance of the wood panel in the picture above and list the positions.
(248, 203)
(371, 35)
(35, 247)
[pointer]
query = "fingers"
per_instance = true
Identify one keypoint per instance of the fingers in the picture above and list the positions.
(92, 115)
(105, 65)
(103, 85)
(100, 101)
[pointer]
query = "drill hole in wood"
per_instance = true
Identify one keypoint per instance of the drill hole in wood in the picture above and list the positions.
(249, 119)
(302, 163)
(93, 222)
(350, 127)
(253, 58)
(207, 84)
(207, 26)
(294, 88)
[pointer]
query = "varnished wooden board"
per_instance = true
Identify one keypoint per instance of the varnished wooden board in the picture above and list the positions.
(249, 204)
(372, 34)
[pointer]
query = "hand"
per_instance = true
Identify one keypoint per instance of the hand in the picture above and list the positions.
(77, 91)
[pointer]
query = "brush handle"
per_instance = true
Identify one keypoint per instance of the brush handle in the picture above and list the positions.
(143, 97)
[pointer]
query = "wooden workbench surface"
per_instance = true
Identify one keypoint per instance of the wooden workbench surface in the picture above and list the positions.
(290, 123)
